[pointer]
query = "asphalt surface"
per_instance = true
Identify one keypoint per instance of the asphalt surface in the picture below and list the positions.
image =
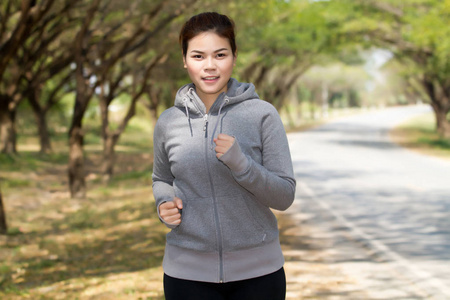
(375, 216)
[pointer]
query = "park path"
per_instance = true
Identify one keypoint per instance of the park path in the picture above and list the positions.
(371, 219)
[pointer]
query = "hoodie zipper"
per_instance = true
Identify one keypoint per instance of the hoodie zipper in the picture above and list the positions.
(205, 123)
(213, 192)
(204, 116)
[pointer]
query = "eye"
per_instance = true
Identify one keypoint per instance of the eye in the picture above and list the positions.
(197, 56)
(221, 55)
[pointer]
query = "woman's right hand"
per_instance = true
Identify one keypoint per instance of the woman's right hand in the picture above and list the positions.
(170, 212)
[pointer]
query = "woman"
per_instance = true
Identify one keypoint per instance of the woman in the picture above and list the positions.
(221, 163)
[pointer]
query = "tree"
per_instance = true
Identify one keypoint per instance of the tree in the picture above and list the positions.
(13, 37)
(333, 82)
(111, 30)
(45, 60)
(111, 88)
(417, 32)
(284, 39)
(35, 55)
(422, 38)
(42, 96)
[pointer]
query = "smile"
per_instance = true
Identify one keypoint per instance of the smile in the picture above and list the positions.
(211, 78)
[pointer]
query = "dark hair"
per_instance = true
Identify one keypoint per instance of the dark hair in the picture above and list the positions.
(208, 21)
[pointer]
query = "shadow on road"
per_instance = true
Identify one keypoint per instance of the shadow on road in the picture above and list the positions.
(324, 261)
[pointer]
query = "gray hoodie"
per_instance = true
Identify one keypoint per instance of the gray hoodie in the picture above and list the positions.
(228, 231)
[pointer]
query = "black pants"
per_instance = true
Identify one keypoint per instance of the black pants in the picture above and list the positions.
(268, 287)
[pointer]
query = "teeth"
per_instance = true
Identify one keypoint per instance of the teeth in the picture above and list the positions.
(211, 78)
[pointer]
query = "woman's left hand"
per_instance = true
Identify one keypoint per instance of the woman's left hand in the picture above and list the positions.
(223, 144)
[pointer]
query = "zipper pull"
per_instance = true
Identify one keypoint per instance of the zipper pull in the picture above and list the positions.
(205, 124)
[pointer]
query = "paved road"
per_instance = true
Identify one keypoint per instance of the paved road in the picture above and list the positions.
(393, 205)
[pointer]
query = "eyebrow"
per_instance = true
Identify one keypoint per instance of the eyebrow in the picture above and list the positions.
(218, 50)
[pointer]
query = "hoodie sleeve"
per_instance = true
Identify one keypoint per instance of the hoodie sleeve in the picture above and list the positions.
(162, 177)
(272, 183)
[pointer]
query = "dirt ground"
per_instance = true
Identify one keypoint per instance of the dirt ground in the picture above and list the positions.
(103, 249)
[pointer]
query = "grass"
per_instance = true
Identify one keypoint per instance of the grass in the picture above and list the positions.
(108, 246)
(419, 134)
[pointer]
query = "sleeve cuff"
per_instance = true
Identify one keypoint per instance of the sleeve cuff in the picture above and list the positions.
(235, 159)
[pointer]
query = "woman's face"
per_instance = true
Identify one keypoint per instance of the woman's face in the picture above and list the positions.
(209, 62)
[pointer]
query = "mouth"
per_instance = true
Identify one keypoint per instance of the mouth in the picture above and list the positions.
(210, 78)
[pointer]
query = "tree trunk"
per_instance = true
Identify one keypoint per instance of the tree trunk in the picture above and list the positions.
(77, 180)
(40, 115)
(109, 139)
(440, 102)
(109, 156)
(443, 128)
(7, 127)
(44, 135)
(299, 106)
(312, 104)
(155, 101)
(442, 122)
(3, 225)
(324, 98)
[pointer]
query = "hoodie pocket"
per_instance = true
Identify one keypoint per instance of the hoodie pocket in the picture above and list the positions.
(240, 229)
(196, 230)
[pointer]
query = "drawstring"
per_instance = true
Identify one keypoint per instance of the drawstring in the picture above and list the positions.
(186, 107)
(218, 120)
(187, 114)
(185, 103)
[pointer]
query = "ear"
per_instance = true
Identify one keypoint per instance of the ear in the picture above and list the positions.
(184, 60)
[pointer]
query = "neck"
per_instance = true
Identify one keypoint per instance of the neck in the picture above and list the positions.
(208, 104)
(208, 100)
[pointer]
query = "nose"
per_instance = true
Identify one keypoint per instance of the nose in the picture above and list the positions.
(210, 64)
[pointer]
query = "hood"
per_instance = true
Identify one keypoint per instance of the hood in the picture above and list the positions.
(188, 99)
(237, 92)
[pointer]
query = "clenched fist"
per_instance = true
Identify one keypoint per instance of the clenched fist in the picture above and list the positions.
(223, 144)
(170, 212)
